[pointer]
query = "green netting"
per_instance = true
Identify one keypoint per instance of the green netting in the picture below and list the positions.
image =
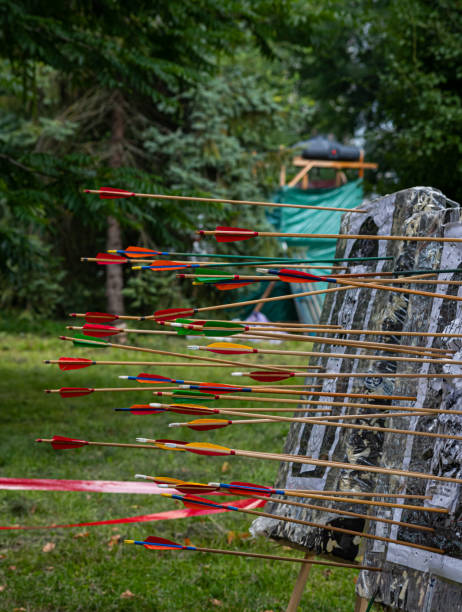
(300, 221)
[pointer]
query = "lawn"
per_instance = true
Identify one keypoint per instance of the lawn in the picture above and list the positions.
(90, 568)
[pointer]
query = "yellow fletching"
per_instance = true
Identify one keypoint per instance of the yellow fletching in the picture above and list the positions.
(167, 480)
(229, 345)
(164, 447)
(207, 422)
(208, 446)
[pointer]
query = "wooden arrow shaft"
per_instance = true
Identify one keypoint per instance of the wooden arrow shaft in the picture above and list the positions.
(244, 234)
(161, 196)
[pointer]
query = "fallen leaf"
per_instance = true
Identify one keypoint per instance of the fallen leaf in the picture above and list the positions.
(115, 539)
(12, 567)
(2, 587)
(115, 529)
(224, 467)
(19, 610)
(187, 542)
(127, 595)
(230, 536)
(49, 546)
(216, 602)
(49, 568)
(82, 534)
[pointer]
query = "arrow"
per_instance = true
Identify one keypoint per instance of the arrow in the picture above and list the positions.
(208, 424)
(105, 344)
(224, 388)
(114, 193)
(204, 448)
(76, 363)
(271, 376)
(195, 409)
(246, 488)
(264, 495)
(191, 501)
(63, 443)
(154, 543)
(134, 251)
(195, 347)
(273, 400)
(66, 392)
(236, 234)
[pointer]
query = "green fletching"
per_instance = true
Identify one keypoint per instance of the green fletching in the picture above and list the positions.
(205, 397)
(236, 326)
(209, 281)
(209, 272)
(81, 340)
(189, 332)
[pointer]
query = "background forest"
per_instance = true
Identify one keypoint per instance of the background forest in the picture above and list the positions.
(200, 98)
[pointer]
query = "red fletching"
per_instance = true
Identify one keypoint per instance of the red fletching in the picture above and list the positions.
(62, 443)
(172, 313)
(114, 259)
(208, 424)
(73, 363)
(114, 193)
(100, 317)
(160, 264)
(154, 378)
(240, 486)
(244, 234)
(160, 544)
(294, 276)
(218, 388)
(191, 409)
(263, 376)
(194, 488)
(236, 285)
(75, 391)
(100, 331)
(193, 501)
(141, 409)
(133, 251)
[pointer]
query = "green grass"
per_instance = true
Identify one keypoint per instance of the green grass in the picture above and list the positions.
(87, 568)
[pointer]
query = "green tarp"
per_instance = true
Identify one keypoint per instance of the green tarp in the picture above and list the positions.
(301, 221)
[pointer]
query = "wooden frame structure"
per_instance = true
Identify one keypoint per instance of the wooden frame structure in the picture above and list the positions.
(308, 164)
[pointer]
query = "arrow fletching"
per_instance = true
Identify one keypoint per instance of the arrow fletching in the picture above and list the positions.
(100, 331)
(156, 543)
(73, 363)
(263, 376)
(133, 251)
(290, 276)
(153, 378)
(81, 340)
(171, 314)
(74, 391)
(244, 234)
(112, 193)
(249, 487)
(141, 409)
(193, 487)
(100, 317)
(204, 448)
(191, 409)
(165, 264)
(220, 388)
(227, 348)
(62, 443)
(192, 501)
(208, 424)
(227, 286)
(107, 259)
(206, 397)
